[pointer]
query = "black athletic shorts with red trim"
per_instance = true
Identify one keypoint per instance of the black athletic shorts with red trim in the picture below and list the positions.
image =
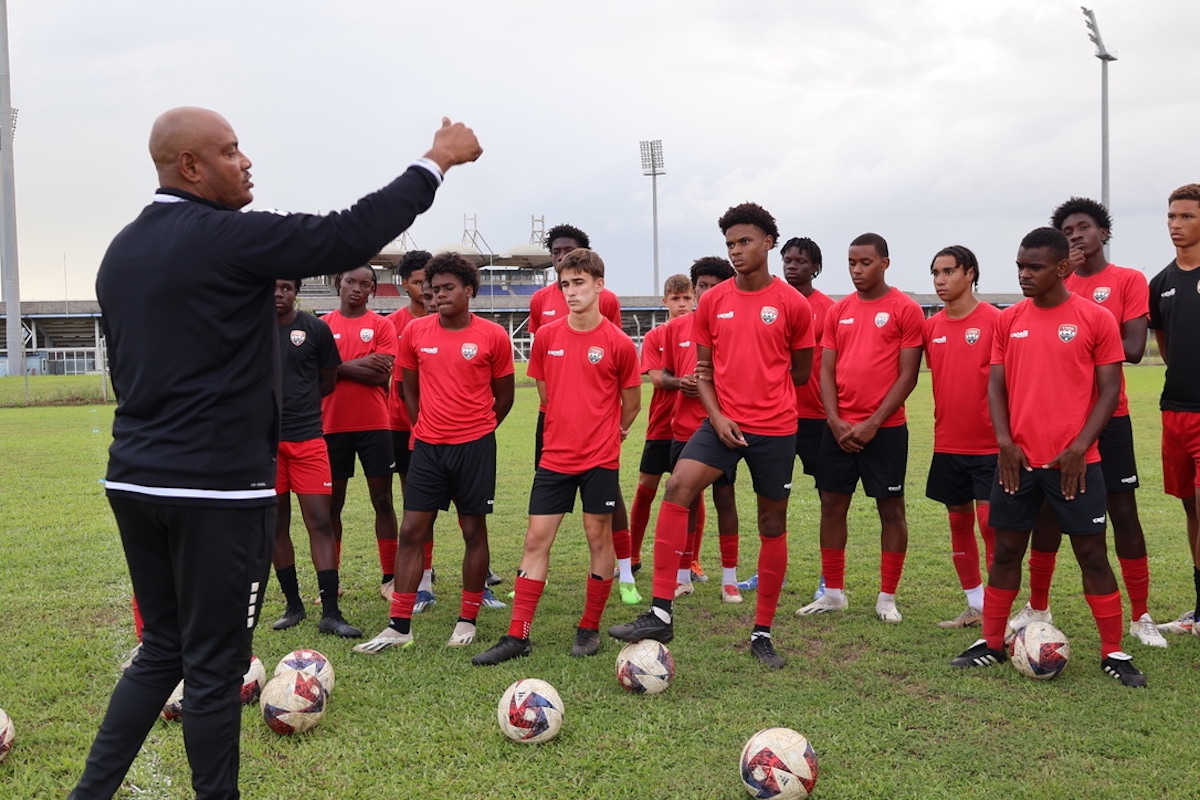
(957, 480)
(882, 465)
(373, 448)
(1085, 515)
(554, 492)
(1117, 457)
(464, 473)
(770, 459)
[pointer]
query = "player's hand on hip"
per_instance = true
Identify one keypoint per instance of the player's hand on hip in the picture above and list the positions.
(454, 143)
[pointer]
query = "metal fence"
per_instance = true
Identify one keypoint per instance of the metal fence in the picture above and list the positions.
(57, 376)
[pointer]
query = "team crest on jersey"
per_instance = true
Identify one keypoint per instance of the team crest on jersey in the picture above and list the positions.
(298, 337)
(1067, 332)
(882, 318)
(366, 334)
(469, 350)
(595, 354)
(1101, 293)
(971, 335)
(768, 314)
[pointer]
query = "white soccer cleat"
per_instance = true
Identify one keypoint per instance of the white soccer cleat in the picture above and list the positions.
(1025, 616)
(886, 611)
(464, 634)
(388, 637)
(1145, 631)
(682, 589)
(823, 605)
(730, 593)
(1183, 625)
(970, 618)
(386, 589)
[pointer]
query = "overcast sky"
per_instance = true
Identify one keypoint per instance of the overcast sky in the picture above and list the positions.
(931, 122)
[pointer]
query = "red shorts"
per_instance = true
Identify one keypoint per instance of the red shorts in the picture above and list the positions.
(1181, 453)
(303, 468)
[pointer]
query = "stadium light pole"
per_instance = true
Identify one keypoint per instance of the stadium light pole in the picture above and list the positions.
(1105, 56)
(15, 342)
(652, 166)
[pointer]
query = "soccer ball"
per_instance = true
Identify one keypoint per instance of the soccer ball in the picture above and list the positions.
(6, 734)
(645, 667)
(253, 680)
(530, 711)
(172, 711)
(310, 661)
(779, 763)
(1039, 651)
(293, 702)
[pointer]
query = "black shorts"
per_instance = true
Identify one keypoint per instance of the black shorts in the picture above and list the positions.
(956, 479)
(769, 458)
(400, 451)
(808, 443)
(1117, 458)
(554, 492)
(882, 465)
(464, 473)
(373, 448)
(726, 479)
(539, 436)
(1018, 512)
(656, 457)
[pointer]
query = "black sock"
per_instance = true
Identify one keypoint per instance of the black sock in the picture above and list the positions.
(464, 619)
(760, 629)
(401, 624)
(290, 585)
(327, 581)
(1196, 578)
(387, 576)
(664, 605)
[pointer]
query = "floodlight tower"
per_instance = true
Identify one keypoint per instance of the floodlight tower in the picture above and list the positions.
(14, 331)
(652, 166)
(1105, 55)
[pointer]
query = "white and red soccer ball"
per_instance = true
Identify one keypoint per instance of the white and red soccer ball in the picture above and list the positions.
(779, 763)
(1039, 651)
(530, 711)
(7, 734)
(311, 662)
(293, 702)
(645, 667)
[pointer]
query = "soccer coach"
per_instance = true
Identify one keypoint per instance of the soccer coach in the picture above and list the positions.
(186, 295)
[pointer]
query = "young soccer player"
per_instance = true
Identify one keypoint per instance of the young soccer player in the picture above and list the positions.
(1175, 318)
(872, 350)
(457, 373)
(755, 334)
(679, 299)
(958, 350)
(310, 360)
(1054, 383)
(1125, 293)
(587, 376)
(355, 415)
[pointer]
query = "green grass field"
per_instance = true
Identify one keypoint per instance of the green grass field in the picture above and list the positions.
(887, 715)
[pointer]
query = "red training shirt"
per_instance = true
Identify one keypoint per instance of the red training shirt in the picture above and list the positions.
(808, 396)
(548, 304)
(662, 402)
(679, 356)
(397, 411)
(354, 406)
(958, 351)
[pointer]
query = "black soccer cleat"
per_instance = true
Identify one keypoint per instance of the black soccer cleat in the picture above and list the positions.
(1120, 666)
(764, 650)
(292, 617)
(338, 627)
(508, 648)
(587, 642)
(979, 655)
(647, 626)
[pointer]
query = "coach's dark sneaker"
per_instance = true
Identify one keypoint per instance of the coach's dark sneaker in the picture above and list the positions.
(1120, 666)
(647, 626)
(587, 643)
(338, 627)
(764, 650)
(508, 648)
(292, 617)
(979, 655)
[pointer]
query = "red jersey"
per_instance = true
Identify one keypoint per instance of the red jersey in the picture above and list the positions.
(456, 369)
(584, 373)
(679, 356)
(1125, 293)
(1050, 357)
(808, 396)
(752, 336)
(397, 411)
(662, 402)
(868, 336)
(354, 406)
(548, 304)
(958, 351)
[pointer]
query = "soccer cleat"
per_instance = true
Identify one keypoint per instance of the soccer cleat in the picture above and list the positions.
(1146, 632)
(508, 648)
(820, 591)
(587, 643)
(464, 634)
(682, 589)
(886, 611)
(1185, 624)
(128, 662)
(647, 626)
(630, 595)
(979, 655)
(493, 579)
(750, 584)
(388, 637)
(822, 606)
(730, 593)
(1120, 666)
(338, 627)
(698, 573)
(967, 619)
(424, 600)
(764, 650)
(386, 588)
(292, 617)
(1023, 617)
(491, 601)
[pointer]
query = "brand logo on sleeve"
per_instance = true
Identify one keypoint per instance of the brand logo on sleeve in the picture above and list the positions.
(686, 343)
(366, 334)
(768, 314)
(846, 321)
(559, 352)
(469, 350)
(1067, 332)
(549, 312)
(297, 337)
(595, 354)
(882, 318)
(971, 335)
(1101, 293)
(725, 315)
(429, 350)
(1019, 334)
(940, 340)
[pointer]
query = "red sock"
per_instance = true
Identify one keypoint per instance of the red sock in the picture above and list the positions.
(891, 566)
(525, 603)
(138, 623)
(729, 551)
(468, 609)
(700, 517)
(670, 540)
(772, 566)
(1106, 608)
(982, 513)
(387, 555)
(402, 605)
(598, 590)
(428, 555)
(964, 550)
(639, 518)
(833, 567)
(1135, 572)
(689, 551)
(622, 543)
(1041, 575)
(997, 606)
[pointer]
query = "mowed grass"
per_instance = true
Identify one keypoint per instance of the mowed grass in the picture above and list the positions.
(886, 714)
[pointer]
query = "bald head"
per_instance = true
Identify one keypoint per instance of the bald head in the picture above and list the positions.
(196, 150)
